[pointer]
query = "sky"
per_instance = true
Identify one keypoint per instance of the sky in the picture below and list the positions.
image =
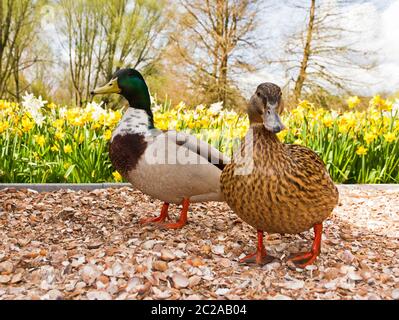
(378, 25)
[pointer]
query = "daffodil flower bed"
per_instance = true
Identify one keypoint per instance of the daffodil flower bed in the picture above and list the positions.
(42, 142)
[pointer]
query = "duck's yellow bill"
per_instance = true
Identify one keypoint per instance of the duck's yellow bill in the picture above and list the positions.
(110, 87)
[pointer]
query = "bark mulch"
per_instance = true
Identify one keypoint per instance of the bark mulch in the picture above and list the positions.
(89, 245)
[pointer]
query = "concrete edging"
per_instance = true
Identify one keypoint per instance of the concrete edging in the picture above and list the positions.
(392, 187)
(47, 187)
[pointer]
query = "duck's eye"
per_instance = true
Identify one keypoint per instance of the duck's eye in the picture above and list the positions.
(258, 94)
(268, 111)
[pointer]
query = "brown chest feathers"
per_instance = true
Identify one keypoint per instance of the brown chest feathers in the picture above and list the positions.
(126, 150)
(278, 188)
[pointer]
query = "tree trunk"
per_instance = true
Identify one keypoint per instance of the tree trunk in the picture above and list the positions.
(223, 79)
(306, 53)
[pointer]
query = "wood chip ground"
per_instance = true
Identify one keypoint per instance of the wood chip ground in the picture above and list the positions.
(90, 245)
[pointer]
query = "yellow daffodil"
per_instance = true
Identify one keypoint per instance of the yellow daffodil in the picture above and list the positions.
(297, 113)
(112, 118)
(204, 122)
(58, 123)
(376, 101)
(343, 128)
(117, 176)
(3, 104)
(40, 140)
(353, 102)
(78, 121)
(305, 104)
(4, 125)
(52, 106)
(96, 125)
(163, 125)
(54, 148)
(298, 141)
(191, 124)
(67, 148)
(107, 134)
(282, 134)
(380, 103)
(72, 113)
(27, 124)
(361, 151)
(350, 124)
(389, 137)
(59, 135)
(369, 137)
(328, 122)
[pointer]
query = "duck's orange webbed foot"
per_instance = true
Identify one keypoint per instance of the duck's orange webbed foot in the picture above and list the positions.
(182, 220)
(302, 260)
(164, 214)
(260, 256)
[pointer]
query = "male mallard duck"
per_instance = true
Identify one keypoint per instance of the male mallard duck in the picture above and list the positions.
(172, 166)
(277, 187)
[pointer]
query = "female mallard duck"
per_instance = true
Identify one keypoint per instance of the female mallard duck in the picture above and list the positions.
(277, 187)
(172, 166)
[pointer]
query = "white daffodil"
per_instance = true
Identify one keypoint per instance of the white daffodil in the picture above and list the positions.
(39, 119)
(215, 108)
(62, 112)
(334, 114)
(33, 105)
(95, 109)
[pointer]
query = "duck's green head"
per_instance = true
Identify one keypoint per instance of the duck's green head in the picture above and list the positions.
(130, 84)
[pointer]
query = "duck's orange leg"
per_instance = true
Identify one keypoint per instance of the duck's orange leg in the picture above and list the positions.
(260, 256)
(161, 218)
(183, 217)
(307, 258)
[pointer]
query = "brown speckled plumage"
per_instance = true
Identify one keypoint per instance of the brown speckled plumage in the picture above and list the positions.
(288, 189)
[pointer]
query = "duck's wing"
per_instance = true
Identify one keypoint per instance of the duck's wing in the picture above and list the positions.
(305, 156)
(203, 149)
(308, 167)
